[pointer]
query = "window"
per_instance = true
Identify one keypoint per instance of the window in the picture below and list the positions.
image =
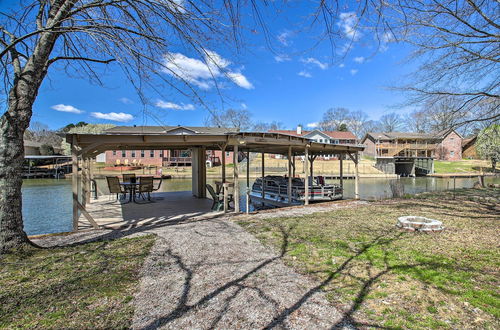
(151, 153)
(132, 153)
(114, 152)
(142, 153)
(161, 153)
(227, 153)
(336, 142)
(452, 153)
(124, 153)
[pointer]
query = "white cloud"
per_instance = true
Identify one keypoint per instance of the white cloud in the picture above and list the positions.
(313, 125)
(170, 105)
(305, 74)
(348, 24)
(353, 71)
(202, 73)
(359, 59)
(282, 58)
(312, 60)
(385, 39)
(283, 38)
(125, 100)
(244, 106)
(341, 65)
(388, 37)
(120, 116)
(240, 80)
(66, 108)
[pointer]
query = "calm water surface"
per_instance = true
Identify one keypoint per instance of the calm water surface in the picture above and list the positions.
(47, 206)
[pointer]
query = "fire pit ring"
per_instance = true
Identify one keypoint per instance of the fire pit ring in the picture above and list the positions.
(416, 223)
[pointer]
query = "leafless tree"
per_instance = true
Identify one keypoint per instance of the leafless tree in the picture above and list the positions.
(333, 118)
(391, 122)
(458, 46)
(77, 36)
(439, 113)
(264, 127)
(231, 118)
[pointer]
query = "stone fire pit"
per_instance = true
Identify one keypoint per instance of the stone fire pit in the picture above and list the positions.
(415, 223)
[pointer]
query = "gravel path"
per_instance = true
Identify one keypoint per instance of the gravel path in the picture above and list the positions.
(213, 274)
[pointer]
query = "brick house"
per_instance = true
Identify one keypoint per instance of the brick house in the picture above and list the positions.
(164, 157)
(443, 145)
(333, 137)
(469, 148)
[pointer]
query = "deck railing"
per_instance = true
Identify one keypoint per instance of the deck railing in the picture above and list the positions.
(392, 149)
(177, 160)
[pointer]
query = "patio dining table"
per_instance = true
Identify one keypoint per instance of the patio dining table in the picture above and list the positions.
(131, 187)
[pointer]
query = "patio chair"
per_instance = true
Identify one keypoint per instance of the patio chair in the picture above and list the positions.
(115, 187)
(129, 177)
(145, 186)
(218, 200)
(157, 187)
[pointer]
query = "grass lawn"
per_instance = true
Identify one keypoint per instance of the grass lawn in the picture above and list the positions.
(462, 166)
(381, 276)
(84, 286)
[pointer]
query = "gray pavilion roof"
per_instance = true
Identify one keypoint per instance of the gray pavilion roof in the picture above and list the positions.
(180, 130)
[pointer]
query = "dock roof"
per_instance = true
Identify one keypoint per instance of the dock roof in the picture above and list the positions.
(211, 138)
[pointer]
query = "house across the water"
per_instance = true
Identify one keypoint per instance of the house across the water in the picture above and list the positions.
(411, 154)
(331, 137)
(167, 157)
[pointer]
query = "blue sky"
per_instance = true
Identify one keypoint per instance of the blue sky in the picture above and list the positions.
(288, 85)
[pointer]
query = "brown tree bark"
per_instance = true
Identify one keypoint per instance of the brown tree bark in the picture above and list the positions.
(13, 124)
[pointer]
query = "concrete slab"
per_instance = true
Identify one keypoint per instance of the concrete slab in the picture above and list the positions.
(166, 207)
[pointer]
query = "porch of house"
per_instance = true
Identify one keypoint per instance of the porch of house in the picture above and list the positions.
(166, 208)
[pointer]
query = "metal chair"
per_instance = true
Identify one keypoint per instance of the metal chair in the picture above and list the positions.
(156, 188)
(145, 186)
(218, 202)
(129, 177)
(115, 187)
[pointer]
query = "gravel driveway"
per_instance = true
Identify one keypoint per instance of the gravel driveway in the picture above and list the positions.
(213, 274)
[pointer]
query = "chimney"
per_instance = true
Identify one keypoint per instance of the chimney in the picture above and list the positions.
(299, 129)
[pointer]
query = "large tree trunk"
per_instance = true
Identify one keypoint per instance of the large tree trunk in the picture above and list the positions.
(12, 234)
(13, 124)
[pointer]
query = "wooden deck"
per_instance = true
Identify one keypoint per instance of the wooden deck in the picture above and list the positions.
(168, 207)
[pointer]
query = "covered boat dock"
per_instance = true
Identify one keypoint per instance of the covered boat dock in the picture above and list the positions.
(198, 140)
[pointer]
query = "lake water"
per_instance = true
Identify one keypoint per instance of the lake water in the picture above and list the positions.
(47, 206)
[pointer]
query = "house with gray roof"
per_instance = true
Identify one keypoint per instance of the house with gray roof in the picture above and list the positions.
(409, 153)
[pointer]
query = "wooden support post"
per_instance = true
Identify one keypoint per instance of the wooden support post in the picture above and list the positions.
(83, 179)
(225, 189)
(88, 216)
(306, 179)
(293, 164)
(74, 183)
(247, 191)
(356, 178)
(263, 170)
(87, 182)
(341, 156)
(236, 189)
(223, 164)
(289, 190)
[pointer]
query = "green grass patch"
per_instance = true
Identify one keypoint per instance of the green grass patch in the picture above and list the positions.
(83, 286)
(399, 279)
(461, 166)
